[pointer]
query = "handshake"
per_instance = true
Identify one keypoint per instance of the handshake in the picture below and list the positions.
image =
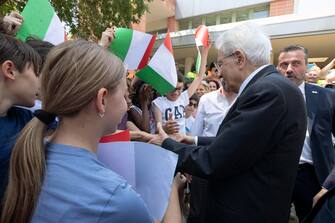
(168, 131)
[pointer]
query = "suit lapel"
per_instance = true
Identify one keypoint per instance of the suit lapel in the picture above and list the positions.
(262, 73)
(312, 95)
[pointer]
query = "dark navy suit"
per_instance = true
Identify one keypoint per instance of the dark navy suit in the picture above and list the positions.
(320, 104)
(251, 164)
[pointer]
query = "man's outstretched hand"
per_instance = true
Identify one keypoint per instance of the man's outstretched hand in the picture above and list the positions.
(160, 137)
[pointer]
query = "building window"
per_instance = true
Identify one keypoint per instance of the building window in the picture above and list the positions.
(184, 24)
(210, 20)
(196, 21)
(242, 15)
(226, 18)
(261, 12)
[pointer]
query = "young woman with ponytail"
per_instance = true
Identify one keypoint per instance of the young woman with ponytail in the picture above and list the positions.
(60, 179)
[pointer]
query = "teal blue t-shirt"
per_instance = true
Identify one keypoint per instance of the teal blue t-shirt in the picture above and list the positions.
(79, 188)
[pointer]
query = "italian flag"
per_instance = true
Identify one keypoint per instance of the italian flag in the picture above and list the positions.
(40, 20)
(161, 71)
(201, 39)
(132, 47)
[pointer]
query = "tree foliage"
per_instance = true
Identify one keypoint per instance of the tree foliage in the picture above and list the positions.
(88, 18)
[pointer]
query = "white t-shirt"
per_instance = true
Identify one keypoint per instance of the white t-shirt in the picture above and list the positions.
(177, 108)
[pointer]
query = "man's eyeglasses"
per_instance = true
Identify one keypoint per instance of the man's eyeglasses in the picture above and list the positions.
(219, 64)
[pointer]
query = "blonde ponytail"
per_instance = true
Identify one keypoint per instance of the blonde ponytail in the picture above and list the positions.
(26, 173)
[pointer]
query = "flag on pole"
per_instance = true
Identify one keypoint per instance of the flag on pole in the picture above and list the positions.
(40, 20)
(161, 71)
(201, 39)
(132, 47)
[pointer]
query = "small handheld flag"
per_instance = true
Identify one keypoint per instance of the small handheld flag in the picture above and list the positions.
(161, 71)
(201, 39)
(40, 20)
(132, 47)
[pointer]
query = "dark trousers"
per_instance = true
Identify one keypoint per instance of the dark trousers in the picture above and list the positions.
(198, 200)
(306, 187)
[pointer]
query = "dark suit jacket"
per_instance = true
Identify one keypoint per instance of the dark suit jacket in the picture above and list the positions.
(251, 164)
(320, 104)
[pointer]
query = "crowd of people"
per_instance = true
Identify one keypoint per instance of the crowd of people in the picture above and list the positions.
(252, 138)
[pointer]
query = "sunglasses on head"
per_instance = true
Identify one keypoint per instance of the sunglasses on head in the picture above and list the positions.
(193, 104)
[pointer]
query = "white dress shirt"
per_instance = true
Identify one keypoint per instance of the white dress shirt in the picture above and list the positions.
(210, 113)
(243, 85)
(306, 154)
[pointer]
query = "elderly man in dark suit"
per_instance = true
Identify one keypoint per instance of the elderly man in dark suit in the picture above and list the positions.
(251, 164)
(315, 175)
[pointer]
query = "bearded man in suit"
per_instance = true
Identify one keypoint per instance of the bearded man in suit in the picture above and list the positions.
(316, 172)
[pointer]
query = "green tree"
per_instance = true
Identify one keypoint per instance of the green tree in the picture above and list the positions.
(88, 18)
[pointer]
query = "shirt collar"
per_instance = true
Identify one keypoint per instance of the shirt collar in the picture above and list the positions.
(249, 78)
(302, 88)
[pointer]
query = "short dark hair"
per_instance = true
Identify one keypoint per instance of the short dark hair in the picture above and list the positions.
(180, 77)
(135, 92)
(19, 53)
(195, 97)
(296, 47)
(41, 47)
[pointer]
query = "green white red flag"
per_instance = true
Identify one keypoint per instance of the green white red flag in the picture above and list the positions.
(161, 71)
(201, 39)
(40, 20)
(132, 47)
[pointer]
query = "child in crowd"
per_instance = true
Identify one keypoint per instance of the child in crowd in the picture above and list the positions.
(19, 67)
(141, 113)
(61, 180)
(170, 110)
(190, 112)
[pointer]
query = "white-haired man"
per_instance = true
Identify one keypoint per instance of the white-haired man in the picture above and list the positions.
(251, 164)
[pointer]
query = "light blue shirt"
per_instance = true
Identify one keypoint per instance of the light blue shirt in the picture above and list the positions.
(79, 188)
